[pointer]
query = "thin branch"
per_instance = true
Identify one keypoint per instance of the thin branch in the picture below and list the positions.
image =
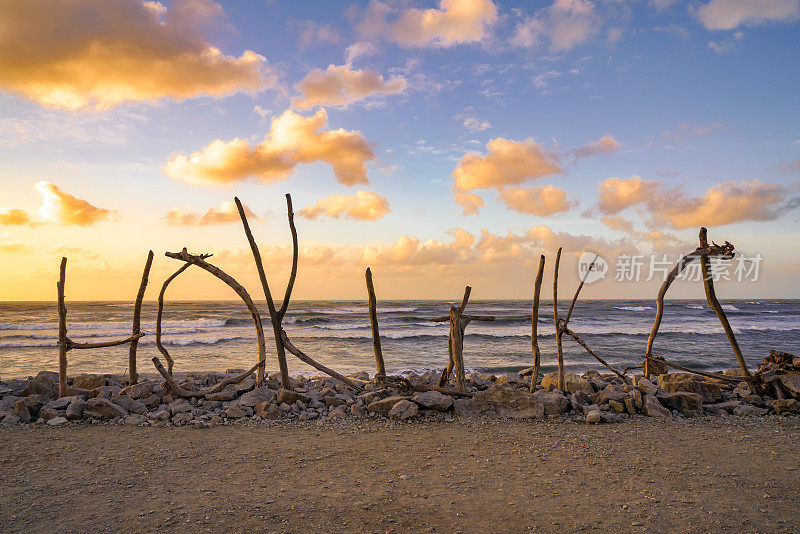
(290, 284)
(318, 366)
(133, 376)
(723, 378)
(73, 345)
(160, 315)
(583, 344)
(578, 291)
(467, 291)
(63, 341)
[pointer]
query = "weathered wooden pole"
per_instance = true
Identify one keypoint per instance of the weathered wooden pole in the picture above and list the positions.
(537, 289)
(713, 303)
(558, 323)
(62, 332)
(373, 319)
(133, 376)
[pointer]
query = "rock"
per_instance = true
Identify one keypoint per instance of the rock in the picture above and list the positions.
(684, 401)
(182, 418)
(142, 390)
(59, 404)
(330, 400)
(646, 387)
(227, 394)
(618, 406)
(252, 398)
(782, 406)
(593, 416)
(341, 412)
(75, 409)
(21, 410)
(791, 381)
(153, 401)
(101, 408)
(434, 400)
(290, 397)
(481, 380)
(235, 412)
(528, 371)
(48, 412)
(727, 406)
(578, 400)
(179, 406)
(553, 401)
(748, 410)
(89, 381)
(57, 421)
(132, 420)
(245, 385)
(755, 400)
(360, 375)
(507, 402)
(43, 384)
(307, 416)
(10, 419)
(403, 410)
(383, 406)
(161, 415)
(106, 392)
(511, 379)
(636, 395)
(358, 410)
(630, 404)
(651, 407)
(687, 382)
(268, 410)
(572, 383)
(131, 404)
(610, 392)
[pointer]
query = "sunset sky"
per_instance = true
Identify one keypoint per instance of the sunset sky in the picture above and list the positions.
(441, 143)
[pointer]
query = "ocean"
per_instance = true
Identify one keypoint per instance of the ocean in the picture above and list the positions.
(214, 336)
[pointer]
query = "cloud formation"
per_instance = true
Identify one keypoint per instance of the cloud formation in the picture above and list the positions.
(227, 213)
(363, 205)
(726, 203)
(730, 14)
(341, 85)
(62, 208)
(75, 54)
(14, 217)
(565, 24)
(506, 163)
(453, 22)
(293, 139)
(543, 201)
(605, 145)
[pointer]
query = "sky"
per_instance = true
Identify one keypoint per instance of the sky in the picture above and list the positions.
(441, 143)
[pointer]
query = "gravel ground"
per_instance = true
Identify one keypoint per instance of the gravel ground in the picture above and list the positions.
(643, 475)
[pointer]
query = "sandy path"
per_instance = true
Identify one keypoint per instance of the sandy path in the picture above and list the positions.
(642, 475)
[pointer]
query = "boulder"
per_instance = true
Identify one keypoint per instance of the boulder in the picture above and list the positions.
(578, 400)
(480, 380)
(512, 379)
(142, 390)
(21, 410)
(618, 406)
(358, 410)
(572, 383)
(131, 404)
(179, 406)
(75, 409)
(101, 408)
(785, 406)
(360, 375)
(402, 410)
(610, 392)
(593, 416)
(673, 382)
(383, 406)
(791, 381)
(727, 406)
(153, 401)
(646, 387)
(268, 410)
(553, 401)
(89, 381)
(57, 421)
(653, 408)
(252, 398)
(507, 402)
(528, 371)
(48, 412)
(630, 405)
(42, 384)
(229, 393)
(748, 410)
(684, 401)
(234, 412)
(331, 400)
(433, 400)
(290, 397)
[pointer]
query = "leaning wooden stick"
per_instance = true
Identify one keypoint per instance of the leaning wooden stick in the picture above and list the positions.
(557, 323)
(373, 320)
(273, 313)
(160, 315)
(133, 376)
(713, 303)
(303, 357)
(537, 289)
(200, 261)
(62, 332)
(583, 344)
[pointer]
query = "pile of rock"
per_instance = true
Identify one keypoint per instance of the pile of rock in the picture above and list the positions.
(592, 396)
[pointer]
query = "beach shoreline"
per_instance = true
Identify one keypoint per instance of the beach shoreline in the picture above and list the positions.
(642, 475)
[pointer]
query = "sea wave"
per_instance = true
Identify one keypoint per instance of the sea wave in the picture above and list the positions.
(113, 325)
(633, 308)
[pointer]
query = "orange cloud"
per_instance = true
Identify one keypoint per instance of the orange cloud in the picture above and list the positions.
(363, 205)
(730, 14)
(76, 54)
(341, 85)
(453, 22)
(470, 202)
(722, 204)
(15, 248)
(565, 23)
(605, 145)
(14, 217)
(543, 201)
(63, 208)
(227, 213)
(617, 194)
(507, 163)
(293, 139)
(618, 223)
